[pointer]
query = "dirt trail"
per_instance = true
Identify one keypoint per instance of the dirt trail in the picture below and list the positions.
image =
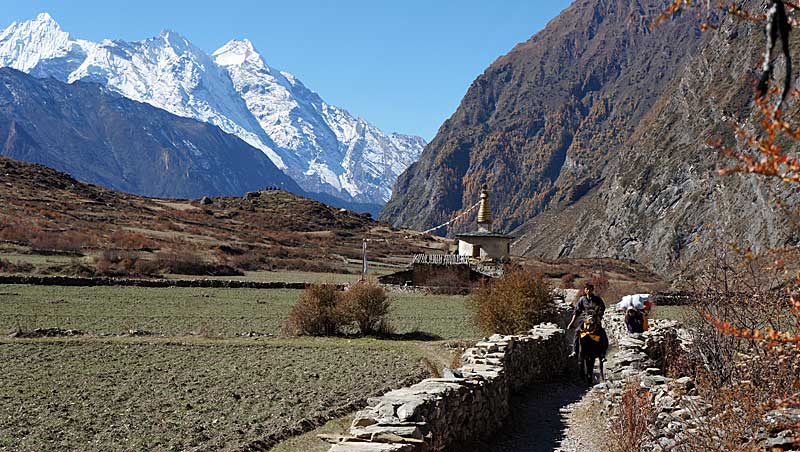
(586, 427)
(562, 416)
(536, 423)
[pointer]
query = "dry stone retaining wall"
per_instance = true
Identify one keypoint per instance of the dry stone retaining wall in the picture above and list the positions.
(473, 403)
(204, 283)
(679, 410)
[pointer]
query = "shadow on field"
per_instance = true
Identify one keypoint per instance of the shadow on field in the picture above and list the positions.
(412, 336)
(420, 336)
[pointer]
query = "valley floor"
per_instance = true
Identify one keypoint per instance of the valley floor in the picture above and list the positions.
(194, 369)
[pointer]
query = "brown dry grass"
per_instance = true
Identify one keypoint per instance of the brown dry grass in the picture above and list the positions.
(48, 211)
(633, 415)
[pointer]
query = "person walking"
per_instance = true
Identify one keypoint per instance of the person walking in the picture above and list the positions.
(589, 305)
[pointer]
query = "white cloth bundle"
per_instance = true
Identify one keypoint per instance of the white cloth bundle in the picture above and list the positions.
(635, 301)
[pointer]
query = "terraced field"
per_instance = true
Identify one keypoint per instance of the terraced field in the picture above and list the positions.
(169, 368)
(201, 312)
(134, 395)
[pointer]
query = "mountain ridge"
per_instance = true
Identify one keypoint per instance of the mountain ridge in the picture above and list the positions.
(101, 137)
(169, 72)
(546, 108)
(585, 135)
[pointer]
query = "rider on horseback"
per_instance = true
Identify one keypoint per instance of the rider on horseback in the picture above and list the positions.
(590, 305)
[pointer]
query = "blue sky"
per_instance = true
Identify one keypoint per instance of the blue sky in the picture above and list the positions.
(403, 65)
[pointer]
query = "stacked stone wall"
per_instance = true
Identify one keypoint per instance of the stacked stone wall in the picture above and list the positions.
(441, 413)
(678, 408)
(75, 281)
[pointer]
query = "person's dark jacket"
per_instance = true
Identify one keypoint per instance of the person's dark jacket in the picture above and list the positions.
(591, 305)
(634, 321)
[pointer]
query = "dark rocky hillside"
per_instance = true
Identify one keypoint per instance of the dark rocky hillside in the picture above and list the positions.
(103, 138)
(540, 124)
(661, 199)
(593, 136)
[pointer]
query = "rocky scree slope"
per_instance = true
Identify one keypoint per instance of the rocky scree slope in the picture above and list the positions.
(104, 138)
(593, 134)
(323, 147)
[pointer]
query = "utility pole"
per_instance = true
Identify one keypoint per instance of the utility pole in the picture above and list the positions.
(364, 267)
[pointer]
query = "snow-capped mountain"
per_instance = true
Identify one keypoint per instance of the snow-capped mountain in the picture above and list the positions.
(322, 147)
(337, 149)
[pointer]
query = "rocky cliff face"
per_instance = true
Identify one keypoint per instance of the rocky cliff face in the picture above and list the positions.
(592, 135)
(661, 200)
(101, 137)
(539, 125)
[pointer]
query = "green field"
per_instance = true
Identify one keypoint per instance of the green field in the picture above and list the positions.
(203, 312)
(679, 313)
(93, 395)
(298, 276)
(35, 259)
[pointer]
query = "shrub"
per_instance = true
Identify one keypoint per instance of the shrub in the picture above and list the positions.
(516, 302)
(568, 281)
(740, 378)
(69, 242)
(115, 263)
(7, 266)
(251, 261)
(147, 268)
(124, 263)
(186, 263)
(131, 241)
(317, 312)
(600, 282)
(633, 416)
(367, 304)
(74, 268)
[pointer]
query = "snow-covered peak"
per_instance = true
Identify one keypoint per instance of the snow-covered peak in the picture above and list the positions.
(238, 52)
(46, 19)
(179, 45)
(24, 44)
(323, 147)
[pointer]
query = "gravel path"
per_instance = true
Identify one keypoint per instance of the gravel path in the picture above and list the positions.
(560, 416)
(536, 423)
(586, 427)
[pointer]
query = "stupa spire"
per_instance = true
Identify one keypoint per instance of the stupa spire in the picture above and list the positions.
(484, 211)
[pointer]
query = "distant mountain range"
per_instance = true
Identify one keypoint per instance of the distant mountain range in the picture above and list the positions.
(593, 138)
(322, 147)
(101, 137)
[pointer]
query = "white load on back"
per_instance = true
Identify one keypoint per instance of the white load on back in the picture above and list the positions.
(635, 301)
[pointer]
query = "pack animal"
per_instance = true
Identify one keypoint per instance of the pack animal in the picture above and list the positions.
(593, 344)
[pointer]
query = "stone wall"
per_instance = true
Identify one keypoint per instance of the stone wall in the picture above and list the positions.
(640, 359)
(204, 283)
(678, 409)
(472, 403)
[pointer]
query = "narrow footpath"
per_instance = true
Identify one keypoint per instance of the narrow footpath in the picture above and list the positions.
(558, 416)
(536, 422)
